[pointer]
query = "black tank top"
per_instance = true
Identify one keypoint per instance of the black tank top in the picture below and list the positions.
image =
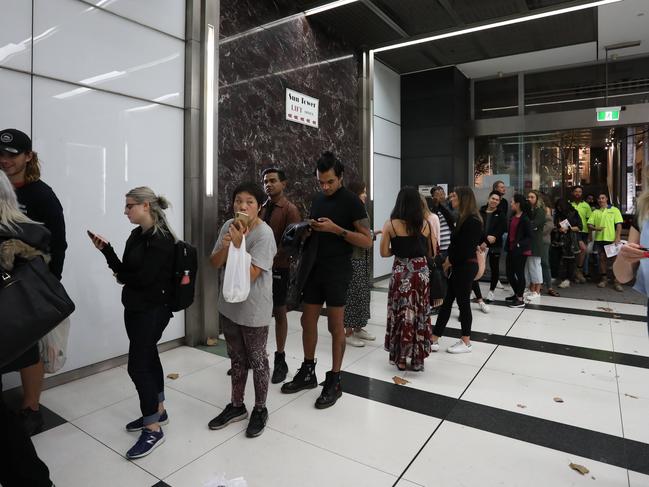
(410, 246)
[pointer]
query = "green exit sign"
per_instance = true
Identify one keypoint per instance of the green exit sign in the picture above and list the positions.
(608, 114)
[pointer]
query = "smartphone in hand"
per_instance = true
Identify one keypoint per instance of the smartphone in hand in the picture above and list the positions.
(94, 236)
(243, 218)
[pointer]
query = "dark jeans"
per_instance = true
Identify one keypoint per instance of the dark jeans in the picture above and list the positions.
(568, 270)
(516, 273)
(459, 289)
(19, 464)
(144, 329)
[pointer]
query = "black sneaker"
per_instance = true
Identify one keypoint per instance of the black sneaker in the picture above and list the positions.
(229, 415)
(138, 424)
(304, 379)
(331, 391)
(32, 421)
(146, 443)
(280, 368)
(511, 298)
(517, 304)
(257, 422)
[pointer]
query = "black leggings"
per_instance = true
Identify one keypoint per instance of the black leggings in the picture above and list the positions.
(459, 288)
(516, 273)
(144, 329)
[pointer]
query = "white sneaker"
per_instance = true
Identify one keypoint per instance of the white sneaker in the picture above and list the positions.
(564, 284)
(434, 346)
(532, 297)
(459, 347)
(490, 296)
(354, 342)
(527, 293)
(483, 307)
(363, 335)
(499, 285)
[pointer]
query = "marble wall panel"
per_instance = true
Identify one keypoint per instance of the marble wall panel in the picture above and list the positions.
(253, 134)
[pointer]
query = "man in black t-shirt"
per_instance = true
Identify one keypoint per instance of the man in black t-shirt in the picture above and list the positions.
(339, 221)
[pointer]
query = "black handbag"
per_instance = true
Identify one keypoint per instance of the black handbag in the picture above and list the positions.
(33, 302)
(438, 283)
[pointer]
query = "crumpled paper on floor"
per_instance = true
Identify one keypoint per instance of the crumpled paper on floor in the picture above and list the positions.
(221, 481)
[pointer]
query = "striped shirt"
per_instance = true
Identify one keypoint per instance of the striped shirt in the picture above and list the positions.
(444, 234)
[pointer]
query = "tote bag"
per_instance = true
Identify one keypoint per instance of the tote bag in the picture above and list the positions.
(236, 281)
(33, 302)
(481, 257)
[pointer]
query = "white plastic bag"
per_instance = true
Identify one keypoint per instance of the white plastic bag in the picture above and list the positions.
(53, 347)
(236, 282)
(221, 481)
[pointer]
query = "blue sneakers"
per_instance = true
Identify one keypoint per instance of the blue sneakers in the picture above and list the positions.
(138, 424)
(148, 441)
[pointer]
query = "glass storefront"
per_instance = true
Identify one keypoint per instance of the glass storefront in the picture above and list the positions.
(598, 159)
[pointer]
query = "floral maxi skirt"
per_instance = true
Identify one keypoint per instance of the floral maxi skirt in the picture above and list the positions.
(409, 330)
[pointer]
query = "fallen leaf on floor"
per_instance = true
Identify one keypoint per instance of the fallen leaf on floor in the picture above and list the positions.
(579, 468)
(593, 477)
(400, 381)
(211, 342)
(631, 396)
(173, 376)
(604, 308)
(522, 406)
(616, 316)
(558, 399)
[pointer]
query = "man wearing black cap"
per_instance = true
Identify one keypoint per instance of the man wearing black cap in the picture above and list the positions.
(38, 202)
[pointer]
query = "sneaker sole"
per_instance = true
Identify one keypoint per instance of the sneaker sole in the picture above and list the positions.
(232, 420)
(157, 444)
(134, 430)
(255, 435)
(325, 406)
(303, 388)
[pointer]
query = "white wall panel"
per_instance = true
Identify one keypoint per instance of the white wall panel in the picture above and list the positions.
(16, 34)
(387, 183)
(94, 147)
(165, 15)
(85, 45)
(16, 100)
(387, 138)
(387, 93)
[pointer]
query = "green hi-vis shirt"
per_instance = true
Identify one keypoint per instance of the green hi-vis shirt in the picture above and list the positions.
(605, 218)
(584, 211)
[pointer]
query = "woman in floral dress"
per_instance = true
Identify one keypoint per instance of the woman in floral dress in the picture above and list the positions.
(407, 237)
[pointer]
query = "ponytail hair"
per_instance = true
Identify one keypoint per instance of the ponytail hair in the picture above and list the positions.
(157, 205)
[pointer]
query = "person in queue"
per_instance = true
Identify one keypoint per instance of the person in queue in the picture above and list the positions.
(357, 309)
(409, 238)
(145, 272)
(245, 324)
(19, 463)
(461, 265)
(519, 241)
(38, 201)
(339, 222)
(278, 212)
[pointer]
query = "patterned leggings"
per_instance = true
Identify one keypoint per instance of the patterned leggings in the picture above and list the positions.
(247, 350)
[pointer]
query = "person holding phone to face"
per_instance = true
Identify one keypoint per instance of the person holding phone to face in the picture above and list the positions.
(245, 324)
(146, 272)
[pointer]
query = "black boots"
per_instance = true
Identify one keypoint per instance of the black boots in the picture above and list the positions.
(304, 379)
(280, 368)
(331, 391)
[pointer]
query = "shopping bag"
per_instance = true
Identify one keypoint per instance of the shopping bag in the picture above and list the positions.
(481, 257)
(54, 346)
(236, 281)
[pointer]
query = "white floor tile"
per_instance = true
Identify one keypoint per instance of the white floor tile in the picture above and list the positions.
(631, 309)
(186, 436)
(459, 456)
(630, 344)
(562, 333)
(559, 368)
(84, 396)
(477, 357)
(637, 479)
(77, 460)
(633, 380)
(186, 360)
(352, 424)
(277, 460)
(485, 323)
(505, 390)
(634, 417)
(633, 328)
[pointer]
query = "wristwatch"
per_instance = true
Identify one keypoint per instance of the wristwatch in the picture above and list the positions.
(343, 234)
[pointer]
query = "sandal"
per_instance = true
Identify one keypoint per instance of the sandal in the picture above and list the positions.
(552, 292)
(401, 366)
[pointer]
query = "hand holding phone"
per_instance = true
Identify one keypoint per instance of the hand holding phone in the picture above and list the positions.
(98, 241)
(243, 219)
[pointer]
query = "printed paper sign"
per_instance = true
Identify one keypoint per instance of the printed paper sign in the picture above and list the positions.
(301, 108)
(612, 249)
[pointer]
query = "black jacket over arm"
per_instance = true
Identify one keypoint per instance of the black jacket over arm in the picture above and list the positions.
(497, 226)
(464, 241)
(146, 269)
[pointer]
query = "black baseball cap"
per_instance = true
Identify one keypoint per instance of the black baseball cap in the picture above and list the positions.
(15, 141)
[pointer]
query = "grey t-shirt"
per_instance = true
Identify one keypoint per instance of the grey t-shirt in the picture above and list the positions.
(257, 310)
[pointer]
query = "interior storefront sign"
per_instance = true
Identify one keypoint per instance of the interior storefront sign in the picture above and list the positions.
(608, 114)
(301, 108)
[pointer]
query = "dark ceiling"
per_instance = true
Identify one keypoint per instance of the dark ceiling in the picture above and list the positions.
(367, 24)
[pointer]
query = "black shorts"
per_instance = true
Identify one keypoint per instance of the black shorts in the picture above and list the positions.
(30, 357)
(328, 283)
(280, 287)
(598, 246)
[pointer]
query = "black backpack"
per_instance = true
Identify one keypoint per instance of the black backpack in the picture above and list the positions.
(184, 277)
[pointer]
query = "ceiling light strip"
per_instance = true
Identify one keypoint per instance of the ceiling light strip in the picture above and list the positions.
(494, 25)
(328, 6)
